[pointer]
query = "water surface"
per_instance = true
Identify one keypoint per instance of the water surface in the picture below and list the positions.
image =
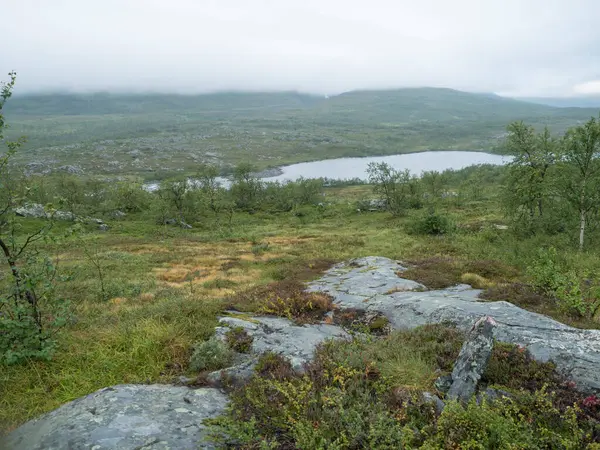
(351, 168)
(416, 163)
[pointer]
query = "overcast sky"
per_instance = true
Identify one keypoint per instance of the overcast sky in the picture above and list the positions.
(511, 47)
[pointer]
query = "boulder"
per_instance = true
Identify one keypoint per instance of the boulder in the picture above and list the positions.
(38, 211)
(373, 284)
(31, 210)
(472, 360)
(124, 417)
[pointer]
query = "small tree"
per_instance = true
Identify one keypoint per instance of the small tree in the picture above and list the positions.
(246, 188)
(29, 312)
(395, 188)
(434, 183)
(209, 185)
(580, 172)
(71, 192)
(173, 192)
(528, 181)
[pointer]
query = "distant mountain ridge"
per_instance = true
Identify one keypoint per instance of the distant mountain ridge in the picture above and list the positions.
(143, 133)
(566, 102)
(427, 103)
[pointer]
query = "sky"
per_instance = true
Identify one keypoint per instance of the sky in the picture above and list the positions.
(509, 47)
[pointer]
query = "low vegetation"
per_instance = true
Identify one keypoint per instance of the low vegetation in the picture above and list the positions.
(367, 394)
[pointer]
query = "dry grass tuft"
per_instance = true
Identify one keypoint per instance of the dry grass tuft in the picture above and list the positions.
(284, 299)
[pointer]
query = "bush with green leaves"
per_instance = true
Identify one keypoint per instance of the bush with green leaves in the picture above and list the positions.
(532, 422)
(212, 354)
(433, 224)
(30, 313)
(348, 398)
(557, 280)
(398, 190)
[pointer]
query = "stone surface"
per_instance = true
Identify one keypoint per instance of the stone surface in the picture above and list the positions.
(295, 342)
(437, 402)
(472, 360)
(372, 284)
(31, 210)
(124, 417)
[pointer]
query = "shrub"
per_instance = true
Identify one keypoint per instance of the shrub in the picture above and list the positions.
(479, 427)
(284, 299)
(239, 340)
(344, 401)
(331, 406)
(432, 224)
(512, 366)
(212, 354)
(552, 279)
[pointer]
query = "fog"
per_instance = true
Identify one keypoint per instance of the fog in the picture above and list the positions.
(510, 47)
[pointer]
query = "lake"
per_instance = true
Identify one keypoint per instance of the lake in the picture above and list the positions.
(349, 168)
(416, 163)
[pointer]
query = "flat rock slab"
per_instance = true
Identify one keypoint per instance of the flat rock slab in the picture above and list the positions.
(124, 417)
(373, 284)
(295, 342)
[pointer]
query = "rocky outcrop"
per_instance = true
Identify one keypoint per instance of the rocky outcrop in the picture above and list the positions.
(37, 211)
(297, 343)
(373, 284)
(124, 417)
(472, 360)
(138, 417)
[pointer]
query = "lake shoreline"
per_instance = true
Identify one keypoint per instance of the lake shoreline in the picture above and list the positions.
(356, 167)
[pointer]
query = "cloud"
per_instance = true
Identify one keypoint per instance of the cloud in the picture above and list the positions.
(589, 88)
(532, 47)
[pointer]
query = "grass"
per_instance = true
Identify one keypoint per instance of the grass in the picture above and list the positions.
(152, 318)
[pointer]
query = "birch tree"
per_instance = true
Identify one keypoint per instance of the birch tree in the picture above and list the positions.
(528, 173)
(580, 172)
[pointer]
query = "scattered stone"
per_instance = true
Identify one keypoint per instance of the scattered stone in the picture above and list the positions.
(38, 211)
(74, 170)
(491, 395)
(443, 383)
(437, 402)
(372, 284)
(63, 215)
(472, 360)
(103, 227)
(118, 214)
(32, 210)
(124, 417)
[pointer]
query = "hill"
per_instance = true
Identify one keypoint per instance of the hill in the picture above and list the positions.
(567, 102)
(155, 134)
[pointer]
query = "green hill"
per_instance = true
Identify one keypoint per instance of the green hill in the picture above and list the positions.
(150, 133)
